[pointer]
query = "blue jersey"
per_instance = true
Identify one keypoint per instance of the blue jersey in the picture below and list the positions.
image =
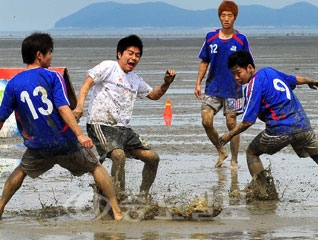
(269, 96)
(35, 95)
(220, 81)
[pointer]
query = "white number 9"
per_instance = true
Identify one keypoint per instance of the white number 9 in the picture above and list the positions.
(282, 88)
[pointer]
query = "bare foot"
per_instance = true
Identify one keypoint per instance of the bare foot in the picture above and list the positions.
(233, 165)
(119, 216)
(221, 159)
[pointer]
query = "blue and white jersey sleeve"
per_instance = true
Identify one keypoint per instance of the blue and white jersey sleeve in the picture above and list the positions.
(252, 101)
(7, 103)
(59, 90)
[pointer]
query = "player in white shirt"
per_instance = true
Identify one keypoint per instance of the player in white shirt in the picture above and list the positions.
(115, 88)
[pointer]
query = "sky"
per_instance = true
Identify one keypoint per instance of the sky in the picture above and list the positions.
(41, 15)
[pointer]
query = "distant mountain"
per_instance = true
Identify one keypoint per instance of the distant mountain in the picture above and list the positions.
(162, 15)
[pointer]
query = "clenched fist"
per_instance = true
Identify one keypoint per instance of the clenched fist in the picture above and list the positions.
(169, 76)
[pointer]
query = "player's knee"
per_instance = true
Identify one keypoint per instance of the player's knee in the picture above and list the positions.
(207, 118)
(154, 159)
(118, 155)
(207, 123)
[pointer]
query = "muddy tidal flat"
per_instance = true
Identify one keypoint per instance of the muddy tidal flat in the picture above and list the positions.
(59, 206)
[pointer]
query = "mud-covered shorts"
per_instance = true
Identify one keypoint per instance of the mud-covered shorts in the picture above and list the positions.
(305, 144)
(229, 105)
(79, 161)
(107, 138)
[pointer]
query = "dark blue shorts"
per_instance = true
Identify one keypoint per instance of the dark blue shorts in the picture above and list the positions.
(107, 138)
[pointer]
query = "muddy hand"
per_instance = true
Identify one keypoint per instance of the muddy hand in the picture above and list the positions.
(169, 76)
(225, 139)
(313, 85)
(85, 141)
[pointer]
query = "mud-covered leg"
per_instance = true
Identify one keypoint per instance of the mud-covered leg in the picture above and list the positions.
(104, 183)
(213, 135)
(118, 157)
(235, 141)
(262, 186)
(254, 162)
(12, 185)
(149, 172)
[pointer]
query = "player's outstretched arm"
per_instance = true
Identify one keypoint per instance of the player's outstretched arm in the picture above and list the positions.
(158, 92)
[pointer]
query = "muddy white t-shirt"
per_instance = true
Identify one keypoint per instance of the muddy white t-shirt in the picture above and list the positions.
(114, 94)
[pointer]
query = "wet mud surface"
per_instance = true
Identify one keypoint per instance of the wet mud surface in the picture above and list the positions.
(190, 199)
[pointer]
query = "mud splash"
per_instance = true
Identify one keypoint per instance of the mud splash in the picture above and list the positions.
(142, 207)
(262, 187)
(198, 209)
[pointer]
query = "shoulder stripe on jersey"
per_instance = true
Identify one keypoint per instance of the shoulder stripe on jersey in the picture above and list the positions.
(248, 95)
(62, 81)
(213, 37)
(238, 39)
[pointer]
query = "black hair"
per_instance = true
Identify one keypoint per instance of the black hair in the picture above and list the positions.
(37, 41)
(129, 41)
(241, 59)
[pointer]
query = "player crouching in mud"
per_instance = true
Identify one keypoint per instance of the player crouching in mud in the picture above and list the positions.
(269, 96)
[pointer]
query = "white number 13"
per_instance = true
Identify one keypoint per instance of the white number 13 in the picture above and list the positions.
(25, 97)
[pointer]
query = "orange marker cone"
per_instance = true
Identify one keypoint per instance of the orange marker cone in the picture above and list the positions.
(167, 114)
